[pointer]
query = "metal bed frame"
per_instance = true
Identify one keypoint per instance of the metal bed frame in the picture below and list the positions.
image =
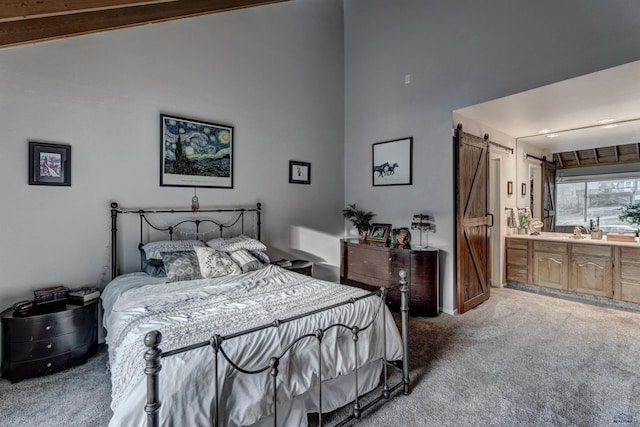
(154, 355)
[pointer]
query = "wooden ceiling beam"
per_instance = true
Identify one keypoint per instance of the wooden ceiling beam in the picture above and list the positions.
(595, 154)
(20, 31)
(13, 9)
(575, 153)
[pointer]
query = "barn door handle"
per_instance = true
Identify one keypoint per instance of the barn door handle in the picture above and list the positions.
(491, 215)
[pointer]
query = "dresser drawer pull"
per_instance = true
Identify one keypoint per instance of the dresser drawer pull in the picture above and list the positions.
(47, 328)
(49, 365)
(49, 346)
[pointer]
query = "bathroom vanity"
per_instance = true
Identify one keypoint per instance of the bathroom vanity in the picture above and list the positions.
(603, 268)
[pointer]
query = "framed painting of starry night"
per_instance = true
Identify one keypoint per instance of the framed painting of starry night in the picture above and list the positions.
(195, 153)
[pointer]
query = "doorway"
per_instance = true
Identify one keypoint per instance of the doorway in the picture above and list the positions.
(495, 233)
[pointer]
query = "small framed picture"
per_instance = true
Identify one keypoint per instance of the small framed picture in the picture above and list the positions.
(49, 164)
(509, 188)
(299, 172)
(524, 189)
(392, 162)
(379, 233)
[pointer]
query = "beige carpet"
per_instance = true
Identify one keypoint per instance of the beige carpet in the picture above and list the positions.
(519, 359)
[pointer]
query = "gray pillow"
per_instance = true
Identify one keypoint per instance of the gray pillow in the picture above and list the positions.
(181, 266)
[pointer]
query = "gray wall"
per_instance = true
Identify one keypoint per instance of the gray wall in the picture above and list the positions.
(274, 72)
(458, 53)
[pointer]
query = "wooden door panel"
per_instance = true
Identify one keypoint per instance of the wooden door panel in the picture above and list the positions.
(472, 204)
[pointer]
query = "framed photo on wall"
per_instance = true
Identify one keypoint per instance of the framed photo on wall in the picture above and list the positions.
(49, 164)
(393, 162)
(195, 153)
(299, 172)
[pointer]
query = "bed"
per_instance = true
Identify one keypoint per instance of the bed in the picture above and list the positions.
(239, 345)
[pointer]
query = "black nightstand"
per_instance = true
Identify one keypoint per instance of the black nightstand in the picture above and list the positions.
(49, 340)
(301, 266)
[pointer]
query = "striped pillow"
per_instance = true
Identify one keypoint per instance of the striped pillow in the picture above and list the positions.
(245, 260)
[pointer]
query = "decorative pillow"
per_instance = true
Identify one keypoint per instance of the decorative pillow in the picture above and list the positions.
(241, 242)
(181, 266)
(215, 242)
(245, 260)
(154, 270)
(215, 264)
(262, 257)
(153, 250)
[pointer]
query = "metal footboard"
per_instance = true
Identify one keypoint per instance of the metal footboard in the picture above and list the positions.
(154, 355)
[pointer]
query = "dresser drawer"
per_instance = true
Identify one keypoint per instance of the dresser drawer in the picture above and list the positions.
(556, 247)
(517, 243)
(22, 351)
(591, 250)
(371, 263)
(47, 326)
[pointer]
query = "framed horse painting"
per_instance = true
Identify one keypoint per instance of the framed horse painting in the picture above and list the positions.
(393, 162)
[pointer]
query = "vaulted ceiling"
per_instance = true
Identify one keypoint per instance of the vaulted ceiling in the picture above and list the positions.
(28, 21)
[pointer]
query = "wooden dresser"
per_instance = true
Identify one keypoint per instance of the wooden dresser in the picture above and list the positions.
(372, 267)
(49, 340)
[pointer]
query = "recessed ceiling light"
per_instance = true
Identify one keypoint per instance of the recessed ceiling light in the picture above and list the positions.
(553, 135)
(541, 131)
(603, 121)
(611, 126)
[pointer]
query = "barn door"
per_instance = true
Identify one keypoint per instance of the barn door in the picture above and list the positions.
(549, 196)
(472, 219)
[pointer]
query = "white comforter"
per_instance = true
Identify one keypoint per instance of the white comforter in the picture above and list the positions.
(192, 311)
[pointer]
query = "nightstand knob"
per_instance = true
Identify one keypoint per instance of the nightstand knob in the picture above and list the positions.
(47, 328)
(49, 346)
(49, 365)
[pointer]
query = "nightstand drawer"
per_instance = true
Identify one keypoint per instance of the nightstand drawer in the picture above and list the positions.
(48, 365)
(47, 326)
(22, 351)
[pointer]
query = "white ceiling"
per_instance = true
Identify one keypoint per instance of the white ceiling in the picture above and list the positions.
(562, 107)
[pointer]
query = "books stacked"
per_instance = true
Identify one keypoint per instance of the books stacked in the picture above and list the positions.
(83, 295)
(284, 263)
(52, 295)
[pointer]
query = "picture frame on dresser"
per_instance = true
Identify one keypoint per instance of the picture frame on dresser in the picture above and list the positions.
(379, 233)
(49, 164)
(299, 172)
(195, 153)
(392, 162)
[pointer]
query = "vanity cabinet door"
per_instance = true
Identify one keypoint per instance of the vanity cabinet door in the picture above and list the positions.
(551, 269)
(592, 270)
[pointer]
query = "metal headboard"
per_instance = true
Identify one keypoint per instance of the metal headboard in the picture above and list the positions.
(197, 221)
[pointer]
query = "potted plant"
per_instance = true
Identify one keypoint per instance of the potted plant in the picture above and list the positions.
(523, 220)
(360, 219)
(631, 214)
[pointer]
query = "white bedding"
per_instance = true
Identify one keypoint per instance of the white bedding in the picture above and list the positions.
(192, 311)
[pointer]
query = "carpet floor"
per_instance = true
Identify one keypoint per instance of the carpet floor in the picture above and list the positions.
(519, 359)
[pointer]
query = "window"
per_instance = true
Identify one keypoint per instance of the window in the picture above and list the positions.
(594, 199)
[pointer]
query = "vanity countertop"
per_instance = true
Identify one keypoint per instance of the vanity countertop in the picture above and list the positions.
(568, 237)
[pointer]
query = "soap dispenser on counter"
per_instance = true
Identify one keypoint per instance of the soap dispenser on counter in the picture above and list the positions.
(596, 232)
